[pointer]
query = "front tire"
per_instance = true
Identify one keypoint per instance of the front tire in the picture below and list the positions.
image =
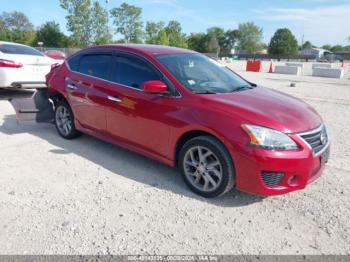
(64, 121)
(206, 167)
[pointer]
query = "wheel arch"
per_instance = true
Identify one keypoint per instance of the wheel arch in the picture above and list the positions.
(57, 96)
(187, 136)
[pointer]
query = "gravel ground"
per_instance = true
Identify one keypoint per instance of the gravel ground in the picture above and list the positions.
(88, 197)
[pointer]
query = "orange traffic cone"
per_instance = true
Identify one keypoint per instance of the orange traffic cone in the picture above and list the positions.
(271, 67)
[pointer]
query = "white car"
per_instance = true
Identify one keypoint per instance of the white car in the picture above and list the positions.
(22, 66)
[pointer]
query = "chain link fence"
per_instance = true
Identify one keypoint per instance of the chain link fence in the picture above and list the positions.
(67, 51)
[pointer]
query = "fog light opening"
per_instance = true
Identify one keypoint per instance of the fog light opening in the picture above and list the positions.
(293, 180)
(271, 178)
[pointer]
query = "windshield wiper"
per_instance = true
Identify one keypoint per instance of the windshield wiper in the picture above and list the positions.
(203, 92)
(239, 88)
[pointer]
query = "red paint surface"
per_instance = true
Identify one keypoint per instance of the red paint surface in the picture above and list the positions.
(152, 124)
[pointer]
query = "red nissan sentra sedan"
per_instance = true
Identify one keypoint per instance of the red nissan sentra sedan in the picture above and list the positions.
(188, 111)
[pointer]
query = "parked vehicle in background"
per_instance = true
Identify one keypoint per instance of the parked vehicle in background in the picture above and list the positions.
(56, 54)
(188, 111)
(22, 66)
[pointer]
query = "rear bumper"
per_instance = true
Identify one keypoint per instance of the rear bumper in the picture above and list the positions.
(299, 169)
(29, 84)
(20, 78)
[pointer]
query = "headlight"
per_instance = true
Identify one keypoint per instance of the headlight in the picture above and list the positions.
(268, 138)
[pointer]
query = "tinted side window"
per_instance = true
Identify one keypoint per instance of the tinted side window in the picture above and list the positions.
(99, 65)
(74, 63)
(133, 71)
(19, 50)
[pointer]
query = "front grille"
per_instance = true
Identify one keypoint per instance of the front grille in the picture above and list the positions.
(316, 139)
(272, 178)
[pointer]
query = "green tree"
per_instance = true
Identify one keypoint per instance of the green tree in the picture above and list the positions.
(16, 21)
(127, 19)
(51, 35)
(24, 37)
(153, 30)
(87, 21)
(176, 37)
(264, 46)
(16, 28)
(198, 42)
(307, 45)
(102, 34)
(327, 47)
(218, 32)
(162, 38)
(216, 39)
(2, 26)
(3, 31)
(337, 48)
(231, 38)
(226, 39)
(250, 37)
(211, 42)
(79, 20)
(283, 43)
(119, 41)
(213, 45)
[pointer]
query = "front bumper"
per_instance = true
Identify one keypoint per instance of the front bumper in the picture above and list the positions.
(300, 167)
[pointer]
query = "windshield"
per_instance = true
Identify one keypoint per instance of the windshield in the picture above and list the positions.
(201, 74)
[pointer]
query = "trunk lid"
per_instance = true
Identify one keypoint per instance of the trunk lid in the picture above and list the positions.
(33, 65)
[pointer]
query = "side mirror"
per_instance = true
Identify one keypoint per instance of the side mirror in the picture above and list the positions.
(155, 87)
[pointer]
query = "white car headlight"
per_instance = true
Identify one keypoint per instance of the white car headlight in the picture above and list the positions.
(268, 138)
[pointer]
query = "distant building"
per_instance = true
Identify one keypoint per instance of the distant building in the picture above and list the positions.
(317, 53)
(263, 52)
(343, 55)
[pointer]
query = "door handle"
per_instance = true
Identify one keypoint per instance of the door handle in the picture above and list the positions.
(114, 99)
(72, 87)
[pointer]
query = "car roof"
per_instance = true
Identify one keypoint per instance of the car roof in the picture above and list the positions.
(10, 43)
(147, 49)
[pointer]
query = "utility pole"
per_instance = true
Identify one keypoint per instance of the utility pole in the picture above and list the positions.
(302, 41)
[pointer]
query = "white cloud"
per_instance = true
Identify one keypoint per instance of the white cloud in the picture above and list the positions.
(320, 25)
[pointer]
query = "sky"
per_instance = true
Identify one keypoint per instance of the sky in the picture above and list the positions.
(319, 21)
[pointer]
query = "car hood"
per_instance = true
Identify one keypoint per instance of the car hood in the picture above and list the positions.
(269, 108)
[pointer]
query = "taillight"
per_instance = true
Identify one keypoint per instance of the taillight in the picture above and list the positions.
(55, 65)
(10, 64)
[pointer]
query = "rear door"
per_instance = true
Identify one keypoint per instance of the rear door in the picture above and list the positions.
(86, 89)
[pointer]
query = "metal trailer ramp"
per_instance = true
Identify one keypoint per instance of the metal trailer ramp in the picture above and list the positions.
(37, 108)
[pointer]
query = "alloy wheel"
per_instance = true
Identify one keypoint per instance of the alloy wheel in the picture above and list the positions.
(203, 169)
(64, 120)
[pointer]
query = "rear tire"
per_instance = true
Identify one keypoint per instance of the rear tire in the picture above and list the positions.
(64, 121)
(206, 167)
